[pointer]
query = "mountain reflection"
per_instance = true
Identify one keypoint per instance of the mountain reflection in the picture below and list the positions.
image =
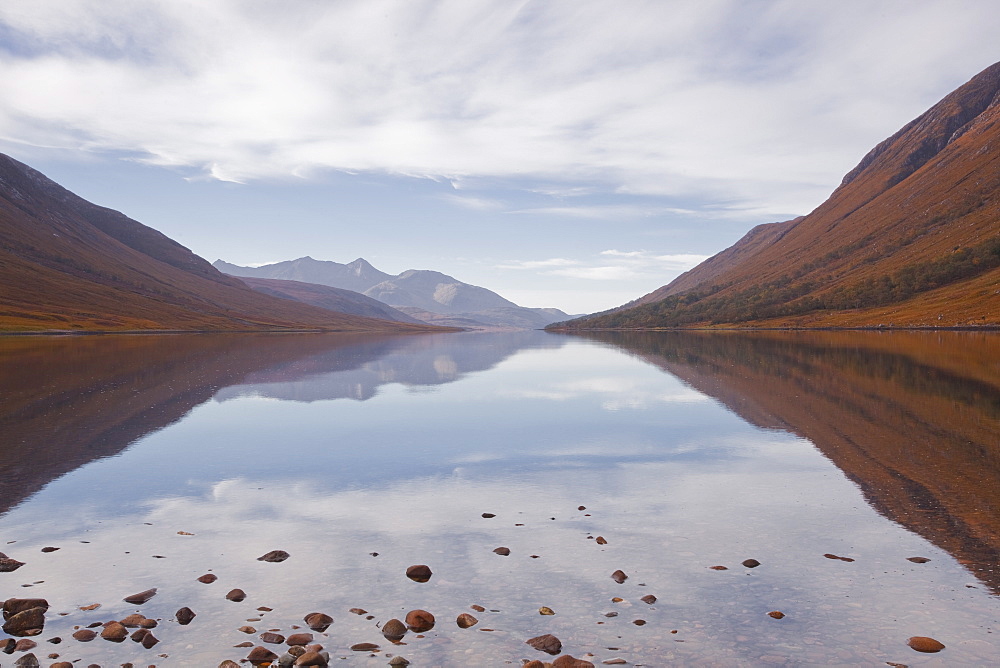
(913, 418)
(65, 402)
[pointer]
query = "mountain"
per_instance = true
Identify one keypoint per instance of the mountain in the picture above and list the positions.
(429, 296)
(324, 296)
(69, 265)
(357, 276)
(909, 238)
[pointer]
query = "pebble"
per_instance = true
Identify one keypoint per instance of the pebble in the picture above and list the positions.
(614, 662)
(419, 620)
(272, 638)
(751, 563)
(393, 630)
(719, 568)
(601, 540)
(318, 621)
(477, 608)
(465, 620)
(546, 611)
(236, 595)
(358, 611)
(247, 629)
(261, 655)
(833, 556)
(925, 644)
(619, 576)
(777, 614)
(488, 515)
(184, 616)
(313, 659)
(918, 560)
(28, 622)
(365, 647)
(399, 661)
(9, 565)
(419, 573)
(503, 551)
(567, 661)
(208, 578)
(649, 599)
(300, 639)
(114, 631)
(49, 549)
(547, 643)
(141, 597)
(85, 635)
(274, 556)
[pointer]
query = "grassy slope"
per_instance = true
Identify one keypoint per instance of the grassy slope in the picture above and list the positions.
(920, 204)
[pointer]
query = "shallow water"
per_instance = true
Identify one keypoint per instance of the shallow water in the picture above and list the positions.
(686, 451)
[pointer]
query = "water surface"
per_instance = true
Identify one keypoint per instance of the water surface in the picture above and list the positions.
(686, 451)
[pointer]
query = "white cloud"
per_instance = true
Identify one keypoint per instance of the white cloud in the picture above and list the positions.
(613, 265)
(539, 264)
(761, 106)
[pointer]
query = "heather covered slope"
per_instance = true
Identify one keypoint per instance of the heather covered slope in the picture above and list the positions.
(915, 220)
(67, 264)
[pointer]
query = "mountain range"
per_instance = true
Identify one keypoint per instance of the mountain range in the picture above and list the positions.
(428, 296)
(910, 238)
(69, 265)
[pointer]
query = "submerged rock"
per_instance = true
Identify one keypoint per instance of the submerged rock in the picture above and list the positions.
(208, 578)
(547, 643)
(918, 560)
(28, 622)
(465, 620)
(184, 616)
(141, 597)
(777, 614)
(300, 639)
(503, 551)
(751, 563)
(8, 565)
(365, 647)
(601, 540)
(85, 635)
(236, 595)
(619, 576)
(261, 655)
(567, 661)
(114, 631)
(274, 556)
(648, 599)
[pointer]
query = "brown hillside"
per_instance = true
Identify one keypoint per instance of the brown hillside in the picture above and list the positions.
(919, 214)
(67, 264)
(913, 418)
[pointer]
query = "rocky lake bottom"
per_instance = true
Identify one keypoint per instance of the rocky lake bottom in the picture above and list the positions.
(500, 499)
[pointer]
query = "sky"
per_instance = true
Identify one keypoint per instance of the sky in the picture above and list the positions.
(574, 154)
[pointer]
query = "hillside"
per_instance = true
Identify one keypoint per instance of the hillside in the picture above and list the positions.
(910, 238)
(429, 296)
(69, 265)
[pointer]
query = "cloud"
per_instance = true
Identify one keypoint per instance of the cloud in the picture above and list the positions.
(613, 265)
(761, 106)
(474, 203)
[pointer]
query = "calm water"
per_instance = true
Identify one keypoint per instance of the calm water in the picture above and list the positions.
(687, 451)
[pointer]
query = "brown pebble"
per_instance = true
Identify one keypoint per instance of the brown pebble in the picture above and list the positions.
(184, 616)
(85, 635)
(229, 664)
(115, 632)
(718, 568)
(244, 644)
(503, 551)
(751, 563)
(24, 644)
(648, 598)
(488, 515)
(311, 659)
(547, 643)
(399, 661)
(61, 664)
(236, 595)
(318, 621)
(601, 540)
(925, 644)
(619, 576)
(92, 606)
(247, 629)
(918, 560)
(149, 640)
(393, 630)
(833, 556)
(544, 610)
(141, 597)
(419, 573)
(208, 578)
(419, 620)
(133, 620)
(9, 565)
(272, 638)
(777, 614)
(465, 620)
(358, 611)
(614, 662)
(261, 655)
(139, 635)
(639, 622)
(477, 608)
(274, 556)
(364, 647)
(300, 639)
(49, 549)
(567, 661)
